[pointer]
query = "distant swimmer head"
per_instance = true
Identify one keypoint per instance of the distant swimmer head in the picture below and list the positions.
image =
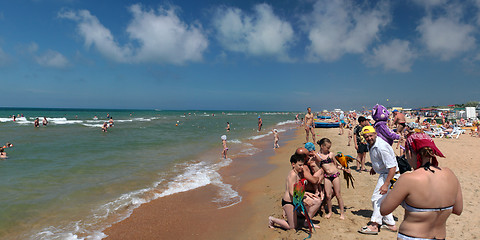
(224, 137)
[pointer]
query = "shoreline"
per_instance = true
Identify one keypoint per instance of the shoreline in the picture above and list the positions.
(145, 223)
(262, 195)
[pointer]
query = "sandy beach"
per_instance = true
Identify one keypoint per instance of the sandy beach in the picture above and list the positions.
(192, 215)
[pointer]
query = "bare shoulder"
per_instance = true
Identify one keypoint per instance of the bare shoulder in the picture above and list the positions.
(410, 177)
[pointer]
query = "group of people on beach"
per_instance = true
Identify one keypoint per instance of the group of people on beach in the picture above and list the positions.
(429, 194)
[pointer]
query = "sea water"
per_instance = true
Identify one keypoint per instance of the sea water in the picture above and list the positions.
(70, 180)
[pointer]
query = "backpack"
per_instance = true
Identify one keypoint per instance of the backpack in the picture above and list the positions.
(403, 164)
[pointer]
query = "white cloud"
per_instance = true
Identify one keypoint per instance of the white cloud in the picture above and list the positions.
(395, 55)
(52, 59)
(430, 3)
(97, 35)
(338, 27)
(260, 34)
(446, 37)
(162, 37)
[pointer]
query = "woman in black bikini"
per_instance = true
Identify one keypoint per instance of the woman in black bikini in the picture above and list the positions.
(331, 174)
(429, 194)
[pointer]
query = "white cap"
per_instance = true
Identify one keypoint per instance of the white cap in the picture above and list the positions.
(224, 137)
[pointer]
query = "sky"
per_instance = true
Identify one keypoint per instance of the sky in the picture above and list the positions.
(274, 55)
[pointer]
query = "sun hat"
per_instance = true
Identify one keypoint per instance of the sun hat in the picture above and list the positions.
(417, 141)
(368, 129)
(310, 146)
(224, 137)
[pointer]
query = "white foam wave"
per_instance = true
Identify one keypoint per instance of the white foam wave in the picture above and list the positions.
(275, 113)
(236, 114)
(143, 119)
(286, 122)
(195, 176)
(249, 151)
(126, 120)
(6, 119)
(259, 136)
(234, 141)
(92, 125)
(94, 121)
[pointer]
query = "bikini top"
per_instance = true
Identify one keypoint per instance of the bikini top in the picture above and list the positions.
(414, 209)
(326, 161)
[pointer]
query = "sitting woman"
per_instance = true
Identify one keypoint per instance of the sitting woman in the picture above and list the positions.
(429, 194)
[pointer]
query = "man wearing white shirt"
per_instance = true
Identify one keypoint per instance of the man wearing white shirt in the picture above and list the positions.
(385, 164)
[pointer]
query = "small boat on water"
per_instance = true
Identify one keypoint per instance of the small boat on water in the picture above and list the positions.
(327, 124)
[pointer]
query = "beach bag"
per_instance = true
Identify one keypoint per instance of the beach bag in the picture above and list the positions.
(403, 164)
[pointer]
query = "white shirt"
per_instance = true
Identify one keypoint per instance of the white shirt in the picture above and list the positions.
(382, 157)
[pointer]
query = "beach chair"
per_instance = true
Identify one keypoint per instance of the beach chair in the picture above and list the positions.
(455, 133)
(436, 133)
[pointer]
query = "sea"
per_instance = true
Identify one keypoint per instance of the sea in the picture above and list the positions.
(71, 180)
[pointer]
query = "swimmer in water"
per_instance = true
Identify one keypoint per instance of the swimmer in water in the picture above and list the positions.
(110, 122)
(228, 127)
(45, 121)
(104, 127)
(36, 123)
(3, 154)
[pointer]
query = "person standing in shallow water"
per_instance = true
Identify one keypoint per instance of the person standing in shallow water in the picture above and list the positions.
(36, 123)
(260, 123)
(225, 148)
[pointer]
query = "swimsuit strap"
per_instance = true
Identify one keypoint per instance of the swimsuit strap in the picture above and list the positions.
(414, 209)
(426, 166)
(406, 237)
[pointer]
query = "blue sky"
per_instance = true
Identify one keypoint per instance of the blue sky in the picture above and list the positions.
(238, 55)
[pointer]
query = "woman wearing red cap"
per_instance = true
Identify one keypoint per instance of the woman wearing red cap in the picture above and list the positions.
(429, 194)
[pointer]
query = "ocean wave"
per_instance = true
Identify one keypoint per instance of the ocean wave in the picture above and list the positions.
(143, 119)
(286, 122)
(236, 114)
(195, 175)
(259, 136)
(249, 151)
(234, 141)
(92, 125)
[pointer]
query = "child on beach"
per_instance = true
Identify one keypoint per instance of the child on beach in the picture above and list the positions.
(294, 176)
(275, 138)
(349, 133)
(331, 173)
(225, 148)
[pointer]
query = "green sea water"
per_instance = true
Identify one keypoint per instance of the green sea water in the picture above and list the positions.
(70, 180)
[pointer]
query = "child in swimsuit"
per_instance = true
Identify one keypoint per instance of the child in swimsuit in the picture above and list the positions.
(275, 138)
(225, 148)
(297, 162)
(332, 180)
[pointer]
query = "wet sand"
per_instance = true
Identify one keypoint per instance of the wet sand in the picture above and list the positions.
(192, 215)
